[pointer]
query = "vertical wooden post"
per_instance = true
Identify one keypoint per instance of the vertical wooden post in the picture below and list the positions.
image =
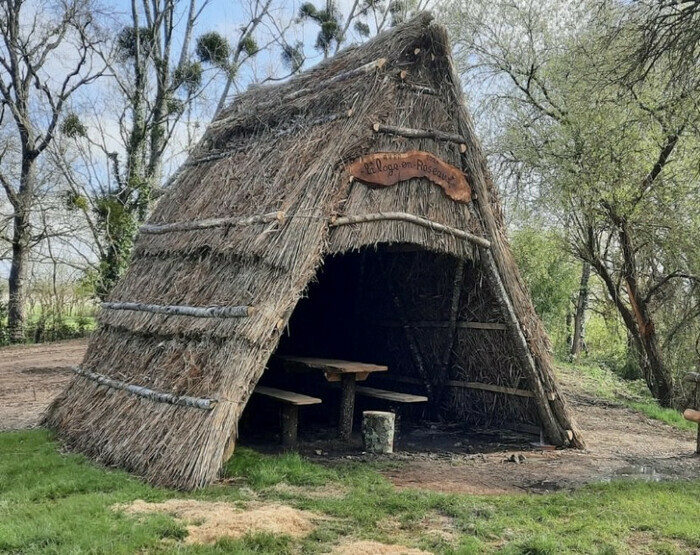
(411, 339)
(290, 425)
(694, 378)
(347, 406)
(445, 363)
(697, 407)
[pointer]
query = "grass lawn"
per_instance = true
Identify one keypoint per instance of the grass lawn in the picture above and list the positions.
(56, 503)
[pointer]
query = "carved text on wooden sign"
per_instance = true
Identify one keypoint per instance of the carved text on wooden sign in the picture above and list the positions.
(389, 168)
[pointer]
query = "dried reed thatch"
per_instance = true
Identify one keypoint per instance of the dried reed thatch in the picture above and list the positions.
(243, 230)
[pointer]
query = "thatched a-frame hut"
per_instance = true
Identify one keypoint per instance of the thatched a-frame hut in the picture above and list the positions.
(264, 213)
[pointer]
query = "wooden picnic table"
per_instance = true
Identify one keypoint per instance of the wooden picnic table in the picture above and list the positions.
(344, 371)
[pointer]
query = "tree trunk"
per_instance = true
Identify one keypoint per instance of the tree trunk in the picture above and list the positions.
(656, 374)
(120, 219)
(21, 244)
(637, 319)
(16, 313)
(580, 315)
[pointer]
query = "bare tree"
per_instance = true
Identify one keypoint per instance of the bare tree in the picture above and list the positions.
(165, 76)
(40, 40)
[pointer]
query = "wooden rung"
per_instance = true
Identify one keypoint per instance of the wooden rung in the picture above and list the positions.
(410, 218)
(197, 225)
(182, 310)
(436, 324)
(290, 397)
(145, 392)
(472, 385)
(495, 388)
(393, 396)
(690, 415)
(335, 365)
(693, 377)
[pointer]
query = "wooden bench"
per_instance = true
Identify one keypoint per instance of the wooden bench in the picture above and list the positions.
(291, 402)
(391, 396)
(395, 398)
(693, 415)
(346, 372)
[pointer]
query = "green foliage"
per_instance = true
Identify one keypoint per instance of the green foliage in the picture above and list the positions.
(330, 31)
(328, 21)
(551, 275)
(189, 76)
(118, 221)
(308, 11)
(250, 46)
(127, 42)
(293, 56)
(72, 127)
(214, 49)
(75, 201)
(606, 339)
(175, 106)
(362, 29)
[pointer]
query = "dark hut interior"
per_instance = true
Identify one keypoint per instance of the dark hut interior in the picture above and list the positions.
(398, 305)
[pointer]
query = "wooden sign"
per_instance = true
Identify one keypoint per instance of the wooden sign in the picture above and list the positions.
(389, 168)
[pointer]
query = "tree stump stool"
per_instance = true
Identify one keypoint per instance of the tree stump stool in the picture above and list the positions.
(378, 431)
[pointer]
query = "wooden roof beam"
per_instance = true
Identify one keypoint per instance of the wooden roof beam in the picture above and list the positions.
(410, 218)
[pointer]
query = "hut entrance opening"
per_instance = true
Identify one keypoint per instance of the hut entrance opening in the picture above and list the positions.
(428, 317)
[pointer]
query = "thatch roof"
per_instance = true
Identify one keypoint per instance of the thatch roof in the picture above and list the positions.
(247, 222)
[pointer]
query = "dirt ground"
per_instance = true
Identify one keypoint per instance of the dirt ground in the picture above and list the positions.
(31, 376)
(621, 443)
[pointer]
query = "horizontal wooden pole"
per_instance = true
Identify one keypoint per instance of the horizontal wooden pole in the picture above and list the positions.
(495, 388)
(157, 229)
(303, 125)
(146, 393)
(413, 133)
(420, 89)
(432, 324)
(523, 428)
(693, 377)
(470, 385)
(366, 68)
(195, 311)
(410, 218)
